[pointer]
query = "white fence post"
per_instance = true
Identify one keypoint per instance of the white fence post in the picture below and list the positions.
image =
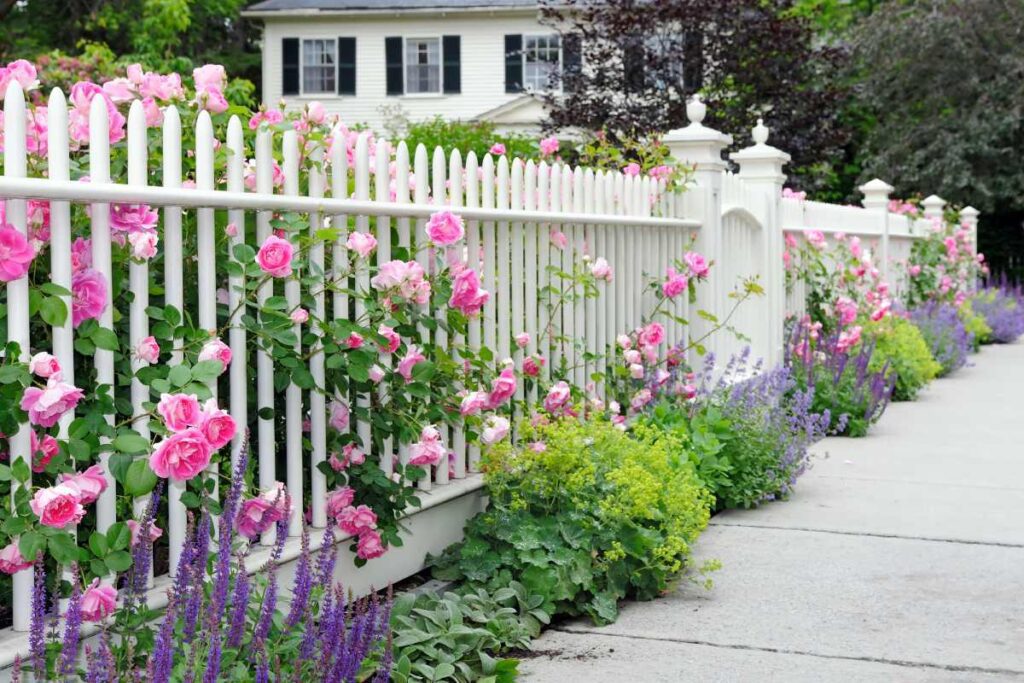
(876, 198)
(761, 170)
(702, 147)
(933, 205)
(969, 219)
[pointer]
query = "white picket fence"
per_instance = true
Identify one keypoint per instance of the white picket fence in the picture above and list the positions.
(510, 206)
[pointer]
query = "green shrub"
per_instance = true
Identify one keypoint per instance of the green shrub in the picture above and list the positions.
(975, 324)
(583, 515)
(465, 136)
(900, 344)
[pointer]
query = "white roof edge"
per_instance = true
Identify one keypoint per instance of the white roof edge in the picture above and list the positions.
(394, 11)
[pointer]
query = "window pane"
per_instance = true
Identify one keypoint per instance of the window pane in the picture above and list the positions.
(541, 61)
(423, 65)
(318, 66)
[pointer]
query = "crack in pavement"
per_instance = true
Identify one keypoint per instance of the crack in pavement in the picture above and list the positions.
(873, 534)
(959, 668)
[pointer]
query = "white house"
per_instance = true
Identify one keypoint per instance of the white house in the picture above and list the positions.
(371, 59)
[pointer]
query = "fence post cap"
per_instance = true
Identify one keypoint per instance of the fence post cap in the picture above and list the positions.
(876, 186)
(696, 142)
(761, 160)
(969, 212)
(933, 200)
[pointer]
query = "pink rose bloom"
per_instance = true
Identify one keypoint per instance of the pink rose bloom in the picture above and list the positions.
(11, 561)
(181, 456)
(601, 270)
(651, 335)
(132, 218)
(531, 368)
(376, 374)
(231, 229)
(640, 399)
(299, 316)
(661, 172)
(98, 601)
(548, 146)
(445, 228)
(154, 115)
(522, 339)
(502, 388)
(255, 515)
(675, 284)
(915, 270)
(275, 257)
(369, 545)
(44, 365)
(882, 310)
(354, 340)
(277, 496)
(846, 310)
(135, 528)
(473, 403)
(16, 254)
(179, 411)
(538, 446)
(636, 371)
(209, 77)
(20, 71)
(338, 500)
(143, 244)
(662, 376)
(217, 425)
(339, 416)
(816, 238)
(148, 350)
(392, 338)
(353, 520)
(848, 339)
(632, 169)
(353, 454)
(559, 239)
(215, 349)
(467, 297)
(557, 398)
(58, 506)
(496, 428)
(272, 117)
(43, 451)
(315, 112)
(696, 263)
(46, 406)
(632, 356)
(624, 341)
(428, 450)
(411, 359)
(88, 296)
(363, 243)
(81, 254)
(120, 90)
(497, 148)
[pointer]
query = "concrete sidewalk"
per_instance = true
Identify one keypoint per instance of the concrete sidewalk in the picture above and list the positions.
(899, 558)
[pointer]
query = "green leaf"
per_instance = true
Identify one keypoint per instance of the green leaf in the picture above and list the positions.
(98, 544)
(243, 253)
(128, 441)
(172, 316)
(63, 548)
(118, 561)
(139, 479)
(53, 289)
(105, 339)
(20, 472)
(207, 370)
(31, 544)
(423, 371)
(119, 464)
(5, 472)
(179, 375)
(53, 311)
(119, 536)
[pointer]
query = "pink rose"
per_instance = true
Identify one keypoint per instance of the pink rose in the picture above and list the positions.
(209, 77)
(20, 71)
(697, 264)
(641, 399)
(846, 310)
(496, 428)
(522, 339)
(624, 341)
(848, 339)
(445, 228)
(255, 515)
(473, 403)
(548, 146)
(11, 561)
(58, 506)
(369, 545)
(315, 112)
(155, 532)
(148, 350)
(182, 455)
(632, 356)
(353, 520)
(44, 365)
(217, 425)
(675, 283)
(363, 243)
(16, 254)
(497, 149)
(215, 349)
(915, 270)
(339, 415)
(354, 340)
(601, 270)
(88, 296)
(411, 359)
(816, 238)
(652, 335)
(81, 254)
(143, 244)
(376, 374)
(636, 371)
(154, 115)
(558, 397)
(467, 297)
(275, 257)
(43, 450)
(559, 239)
(502, 388)
(231, 229)
(338, 500)
(632, 169)
(532, 366)
(299, 316)
(46, 406)
(392, 337)
(179, 411)
(98, 601)
(133, 218)
(428, 450)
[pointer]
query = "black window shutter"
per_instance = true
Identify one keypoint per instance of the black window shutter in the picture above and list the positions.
(393, 62)
(346, 66)
(289, 66)
(572, 61)
(513, 63)
(451, 51)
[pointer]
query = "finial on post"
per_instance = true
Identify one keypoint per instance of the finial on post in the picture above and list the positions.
(760, 133)
(933, 205)
(876, 193)
(696, 110)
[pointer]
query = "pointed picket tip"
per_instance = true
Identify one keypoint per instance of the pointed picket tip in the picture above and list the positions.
(877, 185)
(933, 200)
(969, 212)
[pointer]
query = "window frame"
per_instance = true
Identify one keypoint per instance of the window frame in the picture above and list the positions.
(440, 66)
(302, 67)
(559, 67)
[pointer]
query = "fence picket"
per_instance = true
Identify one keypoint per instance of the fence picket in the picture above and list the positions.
(264, 363)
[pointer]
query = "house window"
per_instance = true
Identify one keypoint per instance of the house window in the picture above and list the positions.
(542, 61)
(422, 65)
(319, 60)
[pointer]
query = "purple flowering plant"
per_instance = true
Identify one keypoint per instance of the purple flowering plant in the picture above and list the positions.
(1002, 307)
(945, 333)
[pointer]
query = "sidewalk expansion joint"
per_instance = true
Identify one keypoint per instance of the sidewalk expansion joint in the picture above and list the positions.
(786, 651)
(873, 534)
